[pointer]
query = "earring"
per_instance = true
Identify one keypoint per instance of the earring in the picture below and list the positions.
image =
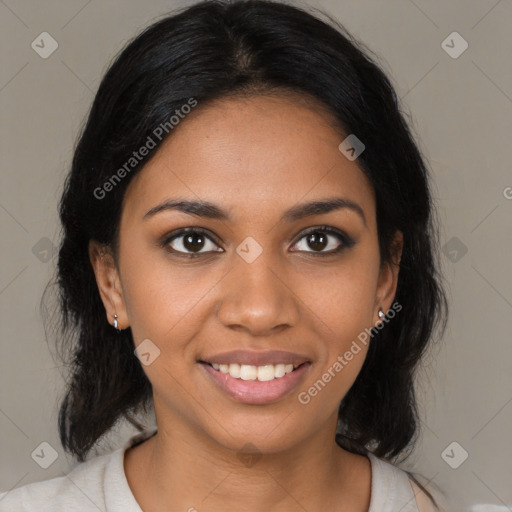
(115, 323)
(381, 314)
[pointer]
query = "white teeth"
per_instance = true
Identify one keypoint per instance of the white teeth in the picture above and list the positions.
(234, 370)
(249, 372)
(280, 370)
(266, 372)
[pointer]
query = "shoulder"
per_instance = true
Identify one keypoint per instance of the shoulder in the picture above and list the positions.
(423, 500)
(97, 484)
(396, 489)
(79, 490)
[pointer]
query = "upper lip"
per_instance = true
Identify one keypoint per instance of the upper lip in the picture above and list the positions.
(254, 358)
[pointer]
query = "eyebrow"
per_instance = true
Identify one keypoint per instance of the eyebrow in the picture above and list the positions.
(212, 211)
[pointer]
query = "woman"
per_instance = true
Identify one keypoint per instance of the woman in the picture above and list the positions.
(249, 251)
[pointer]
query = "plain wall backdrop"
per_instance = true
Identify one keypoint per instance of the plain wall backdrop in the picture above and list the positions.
(460, 101)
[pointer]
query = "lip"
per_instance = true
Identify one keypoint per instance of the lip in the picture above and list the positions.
(253, 391)
(255, 358)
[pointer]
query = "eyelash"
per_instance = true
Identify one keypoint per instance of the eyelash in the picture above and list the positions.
(346, 241)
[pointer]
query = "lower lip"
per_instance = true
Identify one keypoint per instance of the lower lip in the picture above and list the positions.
(255, 391)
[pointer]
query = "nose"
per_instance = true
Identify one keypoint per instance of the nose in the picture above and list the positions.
(257, 297)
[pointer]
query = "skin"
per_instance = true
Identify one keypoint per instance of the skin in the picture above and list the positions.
(256, 157)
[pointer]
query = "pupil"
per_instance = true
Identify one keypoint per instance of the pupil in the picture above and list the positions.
(191, 245)
(317, 241)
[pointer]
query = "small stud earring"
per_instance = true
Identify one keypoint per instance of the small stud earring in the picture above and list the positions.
(115, 323)
(381, 314)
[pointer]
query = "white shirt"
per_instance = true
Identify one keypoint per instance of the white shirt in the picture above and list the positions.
(100, 484)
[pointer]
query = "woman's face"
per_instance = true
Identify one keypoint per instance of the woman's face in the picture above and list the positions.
(252, 280)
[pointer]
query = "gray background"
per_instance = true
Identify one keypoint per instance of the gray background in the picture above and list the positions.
(461, 114)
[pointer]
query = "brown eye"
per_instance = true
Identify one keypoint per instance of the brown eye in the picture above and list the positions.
(324, 240)
(317, 241)
(190, 242)
(194, 242)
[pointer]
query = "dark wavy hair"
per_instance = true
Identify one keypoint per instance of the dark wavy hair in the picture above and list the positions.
(212, 50)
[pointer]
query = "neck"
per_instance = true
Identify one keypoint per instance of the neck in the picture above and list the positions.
(186, 471)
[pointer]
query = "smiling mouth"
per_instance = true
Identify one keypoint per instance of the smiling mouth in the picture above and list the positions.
(263, 373)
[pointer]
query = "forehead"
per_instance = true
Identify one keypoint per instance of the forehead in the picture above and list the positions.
(253, 155)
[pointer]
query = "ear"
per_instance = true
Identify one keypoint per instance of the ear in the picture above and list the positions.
(109, 284)
(388, 277)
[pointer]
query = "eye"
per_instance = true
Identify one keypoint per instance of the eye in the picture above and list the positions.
(190, 241)
(322, 240)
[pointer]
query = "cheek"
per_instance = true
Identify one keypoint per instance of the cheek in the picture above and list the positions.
(341, 306)
(161, 298)
(341, 310)
(343, 298)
